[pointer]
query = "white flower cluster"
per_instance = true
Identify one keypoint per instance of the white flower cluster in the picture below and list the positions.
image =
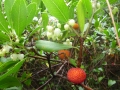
(14, 36)
(5, 49)
(71, 23)
(15, 57)
(67, 42)
(54, 33)
(95, 4)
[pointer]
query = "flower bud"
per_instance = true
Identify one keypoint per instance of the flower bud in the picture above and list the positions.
(98, 5)
(66, 26)
(68, 42)
(115, 10)
(58, 25)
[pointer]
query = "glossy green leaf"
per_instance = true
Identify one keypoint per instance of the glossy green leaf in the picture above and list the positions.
(87, 6)
(13, 69)
(9, 82)
(3, 23)
(19, 16)
(8, 8)
(57, 8)
(31, 9)
(80, 15)
(111, 82)
(45, 19)
(49, 46)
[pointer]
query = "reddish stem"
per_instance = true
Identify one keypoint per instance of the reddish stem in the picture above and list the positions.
(86, 87)
(80, 53)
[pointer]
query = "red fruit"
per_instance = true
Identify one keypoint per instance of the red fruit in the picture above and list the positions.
(63, 54)
(76, 26)
(76, 75)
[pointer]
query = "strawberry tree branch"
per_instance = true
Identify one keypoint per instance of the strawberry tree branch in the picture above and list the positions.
(115, 29)
(80, 53)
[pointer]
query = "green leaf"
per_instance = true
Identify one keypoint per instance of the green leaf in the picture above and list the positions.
(19, 16)
(72, 8)
(80, 88)
(100, 79)
(73, 62)
(49, 46)
(80, 15)
(113, 44)
(3, 37)
(31, 9)
(112, 1)
(3, 23)
(37, 2)
(14, 88)
(8, 8)
(9, 82)
(4, 67)
(33, 31)
(111, 82)
(13, 69)
(57, 8)
(44, 19)
(87, 6)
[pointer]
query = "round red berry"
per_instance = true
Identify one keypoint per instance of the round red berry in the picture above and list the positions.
(76, 75)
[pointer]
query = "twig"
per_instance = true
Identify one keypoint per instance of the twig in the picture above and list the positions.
(44, 84)
(46, 69)
(48, 59)
(115, 29)
(86, 87)
(61, 76)
(61, 67)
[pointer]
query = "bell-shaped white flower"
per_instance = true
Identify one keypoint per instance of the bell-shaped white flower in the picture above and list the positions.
(6, 48)
(14, 57)
(50, 28)
(98, 4)
(20, 56)
(57, 32)
(58, 25)
(68, 42)
(66, 27)
(49, 35)
(2, 53)
(71, 22)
